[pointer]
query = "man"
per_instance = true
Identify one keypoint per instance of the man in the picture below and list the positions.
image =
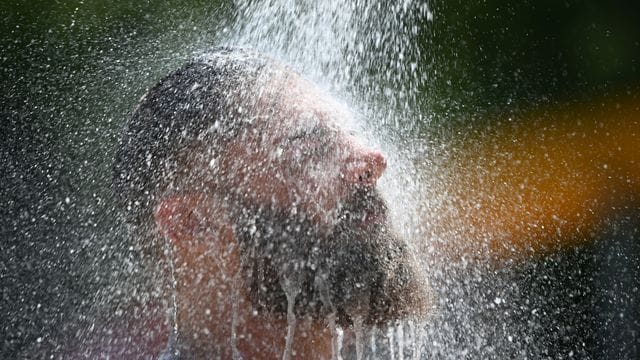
(258, 208)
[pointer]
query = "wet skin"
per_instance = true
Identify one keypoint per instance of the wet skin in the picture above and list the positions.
(300, 156)
(296, 161)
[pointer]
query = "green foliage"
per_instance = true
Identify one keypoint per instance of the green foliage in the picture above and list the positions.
(493, 55)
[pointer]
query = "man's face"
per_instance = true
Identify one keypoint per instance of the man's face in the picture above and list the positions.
(300, 155)
(309, 219)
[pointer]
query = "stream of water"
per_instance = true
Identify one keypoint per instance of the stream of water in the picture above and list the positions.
(73, 279)
(365, 52)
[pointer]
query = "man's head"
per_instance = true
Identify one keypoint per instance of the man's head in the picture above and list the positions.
(268, 156)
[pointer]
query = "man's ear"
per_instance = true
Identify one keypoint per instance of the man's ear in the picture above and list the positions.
(193, 221)
(178, 217)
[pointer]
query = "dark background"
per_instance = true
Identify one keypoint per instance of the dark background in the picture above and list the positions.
(71, 70)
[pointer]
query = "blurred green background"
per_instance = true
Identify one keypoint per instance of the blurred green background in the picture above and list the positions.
(71, 70)
(489, 56)
(479, 56)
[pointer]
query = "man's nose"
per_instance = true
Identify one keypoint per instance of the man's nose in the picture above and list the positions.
(364, 167)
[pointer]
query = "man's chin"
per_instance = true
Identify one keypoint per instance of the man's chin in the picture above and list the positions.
(377, 278)
(360, 269)
(365, 210)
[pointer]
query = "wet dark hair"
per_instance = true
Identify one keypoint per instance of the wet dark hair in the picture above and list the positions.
(195, 105)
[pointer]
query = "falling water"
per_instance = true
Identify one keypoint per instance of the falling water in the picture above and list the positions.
(71, 83)
(172, 318)
(390, 338)
(416, 340)
(363, 47)
(234, 316)
(331, 42)
(372, 341)
(359, 330)
(335, 337)
(291, 289)
(363, 51)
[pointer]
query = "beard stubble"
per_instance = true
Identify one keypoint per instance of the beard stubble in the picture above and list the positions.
(358, 269)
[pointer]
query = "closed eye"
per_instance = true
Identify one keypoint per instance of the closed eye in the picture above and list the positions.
(317, 133)
(316, 142)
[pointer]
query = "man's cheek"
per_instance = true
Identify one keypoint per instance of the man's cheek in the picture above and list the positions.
(328, 177)
(318, 190)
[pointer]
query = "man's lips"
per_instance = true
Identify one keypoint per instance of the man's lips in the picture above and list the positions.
(372, 216)
(365, 208)
(374, 212)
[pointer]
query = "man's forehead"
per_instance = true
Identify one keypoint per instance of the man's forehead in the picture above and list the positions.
(301, 104)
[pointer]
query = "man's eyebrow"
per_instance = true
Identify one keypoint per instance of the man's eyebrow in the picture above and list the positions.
(315, 131)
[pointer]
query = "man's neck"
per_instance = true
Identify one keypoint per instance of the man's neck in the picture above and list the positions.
(215, 315)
